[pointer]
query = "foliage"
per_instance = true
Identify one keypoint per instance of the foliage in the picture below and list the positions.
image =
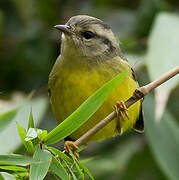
(50, 159)
(29, 45)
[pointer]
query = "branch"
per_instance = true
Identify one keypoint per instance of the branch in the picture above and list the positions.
(138, 94)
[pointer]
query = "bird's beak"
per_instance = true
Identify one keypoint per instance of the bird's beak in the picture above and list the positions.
(64, 28)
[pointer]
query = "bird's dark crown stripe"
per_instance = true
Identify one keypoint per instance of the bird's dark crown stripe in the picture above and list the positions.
(85, 23)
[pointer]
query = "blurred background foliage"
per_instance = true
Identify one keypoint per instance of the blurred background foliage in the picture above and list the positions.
(29, 46)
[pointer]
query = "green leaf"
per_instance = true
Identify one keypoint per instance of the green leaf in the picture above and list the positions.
(28, 144)
(59, 153)
(57, 168)
(6, 118)
(1, 177)
(31, 120)
(6, 163)
(6, 176)
(82, 166)
(13, 168)
(42, 135)
(163, 138)
(17, 159)
(162, 53)
(21, 175)
(33, 133)
(84, 112)
(79, 170)
(39, 170)
(39, 106)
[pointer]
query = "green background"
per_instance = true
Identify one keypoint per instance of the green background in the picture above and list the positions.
(149, 34)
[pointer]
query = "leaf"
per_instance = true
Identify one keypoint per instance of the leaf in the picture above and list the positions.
(28, 144)
(70, 170)
(162, 53)
(17, 159)
(6, 163)
(33, 133)
(21, 175)
(42, 135)
(31, 120)
(84, 112)
(39, 170)
(6, 118)
(163, 138)
(39, 106)
(57, 168)
(82, 166)
(6, 176)
(59, 153)
(1, 177)
(13, 168)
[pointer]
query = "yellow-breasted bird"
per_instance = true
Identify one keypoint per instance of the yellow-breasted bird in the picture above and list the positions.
(91, 56)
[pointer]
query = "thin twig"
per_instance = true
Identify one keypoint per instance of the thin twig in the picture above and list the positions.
(137, 95)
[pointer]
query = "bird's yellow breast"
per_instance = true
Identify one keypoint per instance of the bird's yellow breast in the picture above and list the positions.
(71, 86)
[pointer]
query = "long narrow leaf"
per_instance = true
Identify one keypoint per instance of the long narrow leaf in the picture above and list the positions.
(57, 168)
(17, 159)
(28, 144)
(61, 154)
(13, 168)
(6, 118)
(6, 176)
(79, 170)
(84, 112)
(163, 138)
(31, 120)
(39, 170)
(1, 177)
(86, 170)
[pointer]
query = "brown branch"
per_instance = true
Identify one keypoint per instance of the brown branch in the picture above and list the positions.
(137, 95)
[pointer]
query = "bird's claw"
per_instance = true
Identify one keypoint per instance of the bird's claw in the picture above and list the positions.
(121, 110)
(71, 147)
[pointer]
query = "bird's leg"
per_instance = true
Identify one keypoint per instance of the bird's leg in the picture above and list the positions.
(71, 147)
(121, 110)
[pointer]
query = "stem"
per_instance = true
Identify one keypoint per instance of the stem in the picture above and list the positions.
(137, 95)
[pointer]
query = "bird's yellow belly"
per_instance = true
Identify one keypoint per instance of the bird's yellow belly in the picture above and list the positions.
(74, 87)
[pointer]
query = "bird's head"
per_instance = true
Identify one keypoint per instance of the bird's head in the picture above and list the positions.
(88, 37)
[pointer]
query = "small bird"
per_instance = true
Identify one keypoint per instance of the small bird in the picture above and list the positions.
(91, 56)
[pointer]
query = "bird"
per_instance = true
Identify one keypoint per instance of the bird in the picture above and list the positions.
(90, 57)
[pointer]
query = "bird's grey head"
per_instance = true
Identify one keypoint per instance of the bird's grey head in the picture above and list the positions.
(88, 37)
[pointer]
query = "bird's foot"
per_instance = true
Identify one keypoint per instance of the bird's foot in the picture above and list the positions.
(71, 147)
(121, 110)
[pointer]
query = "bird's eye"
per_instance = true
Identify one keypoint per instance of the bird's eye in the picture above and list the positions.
(88, 34)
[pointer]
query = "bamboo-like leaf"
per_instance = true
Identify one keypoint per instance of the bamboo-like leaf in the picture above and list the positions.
(57, 168)
(61, 154)
(86, 170)
(6, 176)
(79, 170)
(1, 177)
(21, 175)
(84, 112)
(31, 120)
(39, 170)
(6, 118)
(162, 54)
(28, 144)
(17, 159)
(33, 133)
(163, 138)
(13, 168)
